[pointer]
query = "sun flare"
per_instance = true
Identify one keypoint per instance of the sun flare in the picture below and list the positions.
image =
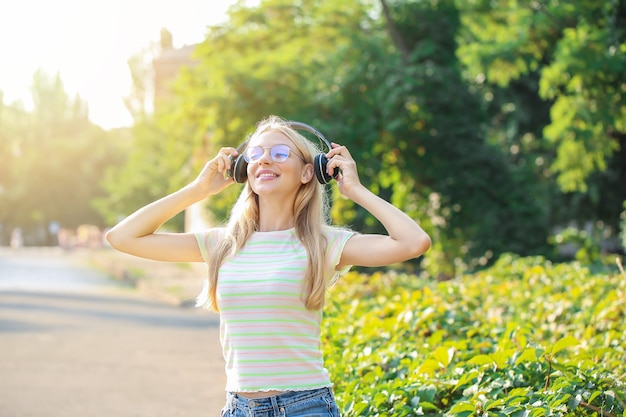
(89, 43)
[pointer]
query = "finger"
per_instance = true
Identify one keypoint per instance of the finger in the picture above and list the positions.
(334, 163)
(346, 166)
(338, 150)
(221, 164)
(223, 158)
(227, 150)
(334, 149)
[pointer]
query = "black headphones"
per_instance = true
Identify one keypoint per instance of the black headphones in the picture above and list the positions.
(239, 167)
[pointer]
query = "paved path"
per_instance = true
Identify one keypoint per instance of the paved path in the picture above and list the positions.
(74, 344)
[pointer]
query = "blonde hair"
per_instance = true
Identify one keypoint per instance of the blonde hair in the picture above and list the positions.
(310, 210)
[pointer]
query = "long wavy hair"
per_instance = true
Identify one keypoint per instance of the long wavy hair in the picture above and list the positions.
(310, 209)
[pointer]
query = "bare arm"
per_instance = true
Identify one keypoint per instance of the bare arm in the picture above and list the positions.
(137, 234)
(405, 239)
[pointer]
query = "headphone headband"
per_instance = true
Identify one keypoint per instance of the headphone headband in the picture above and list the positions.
(303, 126)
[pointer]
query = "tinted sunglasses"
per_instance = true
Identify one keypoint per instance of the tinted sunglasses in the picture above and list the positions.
(278, 153)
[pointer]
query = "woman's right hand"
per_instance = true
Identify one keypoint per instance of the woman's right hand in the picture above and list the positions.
(212, 179)
(138, 233)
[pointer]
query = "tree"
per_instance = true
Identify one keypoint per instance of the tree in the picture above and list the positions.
(396, 81)
(55, 158)
(578, 53)
(262, 62)
(434, 157)
(568, 62)
(409, 118)
(155, 148)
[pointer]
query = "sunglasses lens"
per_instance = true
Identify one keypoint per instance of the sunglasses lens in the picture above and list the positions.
(253, 154)
(280, 153)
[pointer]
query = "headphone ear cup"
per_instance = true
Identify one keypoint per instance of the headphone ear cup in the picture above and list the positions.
(238, 169)
(319, 166)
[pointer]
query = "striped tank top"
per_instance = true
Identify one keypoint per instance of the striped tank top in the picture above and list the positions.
(270, 340)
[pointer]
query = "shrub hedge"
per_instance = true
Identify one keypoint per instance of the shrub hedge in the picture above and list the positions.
(523, 338)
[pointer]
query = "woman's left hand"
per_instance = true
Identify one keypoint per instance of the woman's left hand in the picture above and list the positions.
(348, 177)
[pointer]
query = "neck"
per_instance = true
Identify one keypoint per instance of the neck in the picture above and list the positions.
(275, 215)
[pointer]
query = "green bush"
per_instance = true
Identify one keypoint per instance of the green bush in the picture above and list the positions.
(623, 227)
(523, 338)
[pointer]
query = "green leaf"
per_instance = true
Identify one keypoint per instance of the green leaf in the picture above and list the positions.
(443, 355)
(563, 343)
(428, 406)
(429, 366)
(481, 360)
(527, 355)
(492, 404)
(466, 378)
(462, 406)
(360, 408)
(427, 393)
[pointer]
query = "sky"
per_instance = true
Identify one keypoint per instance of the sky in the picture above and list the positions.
(88, 42)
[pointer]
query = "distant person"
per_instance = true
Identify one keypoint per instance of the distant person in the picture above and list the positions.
(271, 264)
(17, 238)
(53, 233)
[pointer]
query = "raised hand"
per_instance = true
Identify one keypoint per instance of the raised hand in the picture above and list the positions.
(348, 178)
(212, 179)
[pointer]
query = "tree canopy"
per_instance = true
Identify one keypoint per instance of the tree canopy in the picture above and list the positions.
(493, 124)
(453, 110)
(53, 158)
(578, 51)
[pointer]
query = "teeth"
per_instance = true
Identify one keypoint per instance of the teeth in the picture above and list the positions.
(267, 175)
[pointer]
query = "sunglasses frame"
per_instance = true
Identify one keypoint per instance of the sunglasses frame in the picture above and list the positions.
(273, 151)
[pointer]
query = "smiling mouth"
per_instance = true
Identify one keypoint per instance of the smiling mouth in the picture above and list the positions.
(267, 175)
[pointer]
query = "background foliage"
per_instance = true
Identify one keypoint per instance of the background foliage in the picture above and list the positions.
(52, 162)
(496, 125)
(450, 108)
(525, 337)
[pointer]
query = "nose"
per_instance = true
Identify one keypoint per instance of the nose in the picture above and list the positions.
(266, 157)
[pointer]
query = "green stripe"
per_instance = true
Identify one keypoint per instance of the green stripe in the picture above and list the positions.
(275, 347)
(274, 321)
(276, 373)
(273, 251)
(279, 240)
(275, 360)
(283, 387)
(261, 262)
(264, 280)
(262, 308)
(270, 334)
(232, 270)
(259, 293)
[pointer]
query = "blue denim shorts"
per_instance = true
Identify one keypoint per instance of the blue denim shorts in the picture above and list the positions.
(314, 403)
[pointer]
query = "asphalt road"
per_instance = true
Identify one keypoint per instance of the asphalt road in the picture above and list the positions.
(75, 344)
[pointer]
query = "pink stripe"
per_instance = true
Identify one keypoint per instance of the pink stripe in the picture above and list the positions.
(272, 249)
(306, 366)
(278, 315)
(271, 339)
(254, 298)
(240, 326)
(238, 285)
(273, 353)
(303, 312)
(292, 378)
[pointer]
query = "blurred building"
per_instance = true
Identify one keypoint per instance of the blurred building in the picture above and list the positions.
(167, 66)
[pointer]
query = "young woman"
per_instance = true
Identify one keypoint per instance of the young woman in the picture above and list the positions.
(270, 265)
